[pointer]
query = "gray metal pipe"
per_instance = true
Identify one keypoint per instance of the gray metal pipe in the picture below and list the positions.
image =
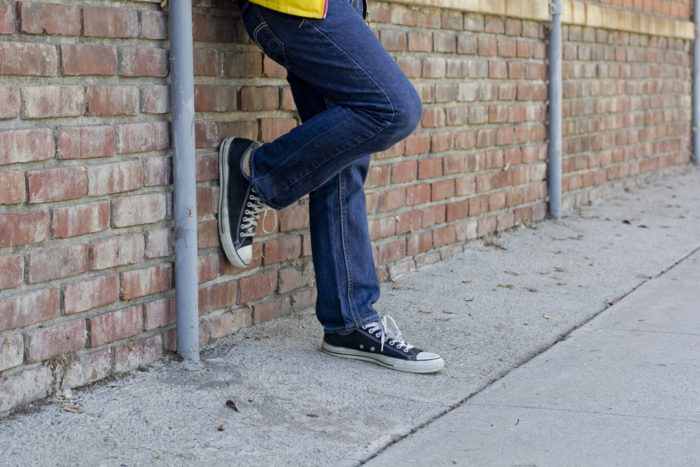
(184, 179)
(696, 84)
(555, 104)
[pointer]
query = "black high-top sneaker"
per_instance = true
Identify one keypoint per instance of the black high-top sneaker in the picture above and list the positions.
(381, 344)
(239, 204)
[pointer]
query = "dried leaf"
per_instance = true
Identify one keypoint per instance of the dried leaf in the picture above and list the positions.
(494, 244)
(545, 316)
(506, 286)
(72, 409)
(421, 310)
(220, 428)
(531, 289)
(163, 3)
(230, 403)
(512, 273)
(466, 281)
(626, 221)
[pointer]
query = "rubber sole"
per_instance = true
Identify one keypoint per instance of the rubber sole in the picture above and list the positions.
(409, 366)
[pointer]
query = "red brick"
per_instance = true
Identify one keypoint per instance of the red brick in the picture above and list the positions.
(242, 64)
(56, 263)
(110, 22)
(117, 251)
(392, 199)
(209, 28)
(277, 251)
(26, 145)
(393, 40)
(12, 268)
(429, 168)
(272, 128)
(433, 215)
(230, 322)
(134, 354)
(208, 234)
(23, 228)
(420, 41)
(158, 243)
(71, 221)
(217, 297)
(258, 286)
(56, 184)
(214, 98)
(417, 194)
(240, 129)
(259, 98)
(88, 59)
(22, 387)
(112, 100)
(143, 137)
(457, 210)
(49, 18)
(28, 308)
(155, 99)
(53, 101)
(382, 227)
(24, 58)
(115, 326)
(9, 101)
(63, 338)
(444, 236)
(86, 142)
(157, 171)
(408, 221)
(7, 18)
(441, 141)
(207, 200)
(12, 187)
(486, 225)
(11, 351)
(270, 309)
(206, 62)
(272, 69)
(92, 293)
(411, 66)
(147, 281)
(434, 67)
(294, 217)
(153, 25)
(159, 313)
(390, 252)
(405, 171)
(442, 189)
(207, 267)
(115, 178)
(144, 61)
(295, 277)
(418, 143)
(88, 368)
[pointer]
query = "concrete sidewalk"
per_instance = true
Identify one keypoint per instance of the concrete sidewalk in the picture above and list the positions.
(601, 397)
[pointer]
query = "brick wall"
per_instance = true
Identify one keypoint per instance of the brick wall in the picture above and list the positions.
(673, 8)
(626, 110)
(86, 260)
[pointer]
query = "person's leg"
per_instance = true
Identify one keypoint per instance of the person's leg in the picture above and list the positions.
(346, 280)
(372, 103)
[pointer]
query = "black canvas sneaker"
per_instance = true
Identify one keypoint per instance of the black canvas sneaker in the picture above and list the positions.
(239, 204)
(381, 344)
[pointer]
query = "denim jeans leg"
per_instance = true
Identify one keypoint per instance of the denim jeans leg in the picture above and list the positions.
(346, 279)
(372, 103)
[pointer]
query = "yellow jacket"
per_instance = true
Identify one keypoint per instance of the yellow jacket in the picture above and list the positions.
(303, 8)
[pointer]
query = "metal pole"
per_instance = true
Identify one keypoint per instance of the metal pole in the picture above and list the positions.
(696, 83)
(555, 126)
(184, 183)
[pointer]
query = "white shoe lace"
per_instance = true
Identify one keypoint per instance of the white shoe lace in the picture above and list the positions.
(252, 213)
(386, 332)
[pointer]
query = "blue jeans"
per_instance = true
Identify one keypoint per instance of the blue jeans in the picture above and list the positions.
(353, 100)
